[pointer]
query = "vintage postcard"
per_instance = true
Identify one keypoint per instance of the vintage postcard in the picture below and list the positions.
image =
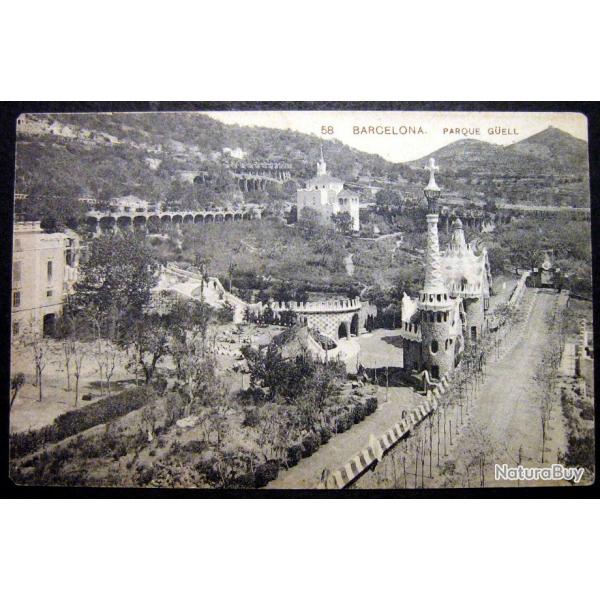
(302, 300)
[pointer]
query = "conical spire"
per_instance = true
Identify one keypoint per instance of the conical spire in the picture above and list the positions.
(321, 165)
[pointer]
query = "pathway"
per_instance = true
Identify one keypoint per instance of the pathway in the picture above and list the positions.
(307, 473)
(506, 405)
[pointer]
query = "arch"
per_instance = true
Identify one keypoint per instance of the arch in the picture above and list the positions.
(177, 220)
(153, 223)
(209, 218)
(370, 324)
(199, 218)
(228, 217)
(219, 217)
(92, 224)
(139, 222)
(123, 222)
(342, 330)
(354, 325)
(237, 217)
(107, 223)
(187, 219)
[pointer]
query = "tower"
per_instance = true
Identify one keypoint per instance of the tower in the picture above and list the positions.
(321, 165)
(435, 304)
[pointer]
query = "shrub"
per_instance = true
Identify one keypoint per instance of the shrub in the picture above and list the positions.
(144, 475)
(196, 446)
(358, 413)
(587, 412)
(266, 472)
(581, 451)
(294, 454)
(371, 404)
(341, 424)
(310, 444)
(325, 434)
(160, 385)
(251, 418)
(244, 481)
(76, 421)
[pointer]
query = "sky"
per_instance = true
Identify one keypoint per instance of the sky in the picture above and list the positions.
(432, 130)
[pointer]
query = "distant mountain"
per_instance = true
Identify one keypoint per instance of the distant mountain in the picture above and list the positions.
(548, 150)
(555, 146)
(550, 167)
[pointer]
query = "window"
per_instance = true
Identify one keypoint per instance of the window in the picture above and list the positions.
(16, 272)
(439, 317)
(434, 346)
(49, 270)
(15, 327)
(48, 293)
(16, 299)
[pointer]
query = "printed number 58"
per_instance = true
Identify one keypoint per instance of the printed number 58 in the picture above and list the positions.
(326, 129)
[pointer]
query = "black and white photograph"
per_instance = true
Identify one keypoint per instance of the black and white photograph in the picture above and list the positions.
(302, 300)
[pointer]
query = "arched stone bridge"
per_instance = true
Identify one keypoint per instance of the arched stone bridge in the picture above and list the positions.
(154, 221)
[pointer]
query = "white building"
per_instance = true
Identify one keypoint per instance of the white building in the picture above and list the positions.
(326, 195)
(44, 273)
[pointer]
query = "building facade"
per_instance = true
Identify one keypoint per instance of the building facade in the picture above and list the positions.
(449, 312)
(44, 274)
(326, 195)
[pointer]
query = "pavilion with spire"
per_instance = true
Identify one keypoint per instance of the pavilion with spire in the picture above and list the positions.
(325, 195)
(450, 309)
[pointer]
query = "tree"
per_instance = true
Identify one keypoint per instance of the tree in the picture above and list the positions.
(388, 200)
(479, 448)
(148, 337)
(310, 221)
(342, 222)
(38, 345)
(17, 381)
(106, 354)
(64, 331)
(80, 353)
(117, 277)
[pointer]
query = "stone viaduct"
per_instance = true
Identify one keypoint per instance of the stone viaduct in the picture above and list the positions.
(156, 221)
(253, 176)
(257, 175)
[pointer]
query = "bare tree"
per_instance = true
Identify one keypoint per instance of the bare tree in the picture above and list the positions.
(38, 345)
(80, 353)
(479, 449)
(106, 354)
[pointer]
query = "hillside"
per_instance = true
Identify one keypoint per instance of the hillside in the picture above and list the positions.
(550, 167)
(161, 144)
(559, 148)
(105, 155)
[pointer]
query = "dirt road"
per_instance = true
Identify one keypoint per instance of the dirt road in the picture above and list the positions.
(506, 406)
